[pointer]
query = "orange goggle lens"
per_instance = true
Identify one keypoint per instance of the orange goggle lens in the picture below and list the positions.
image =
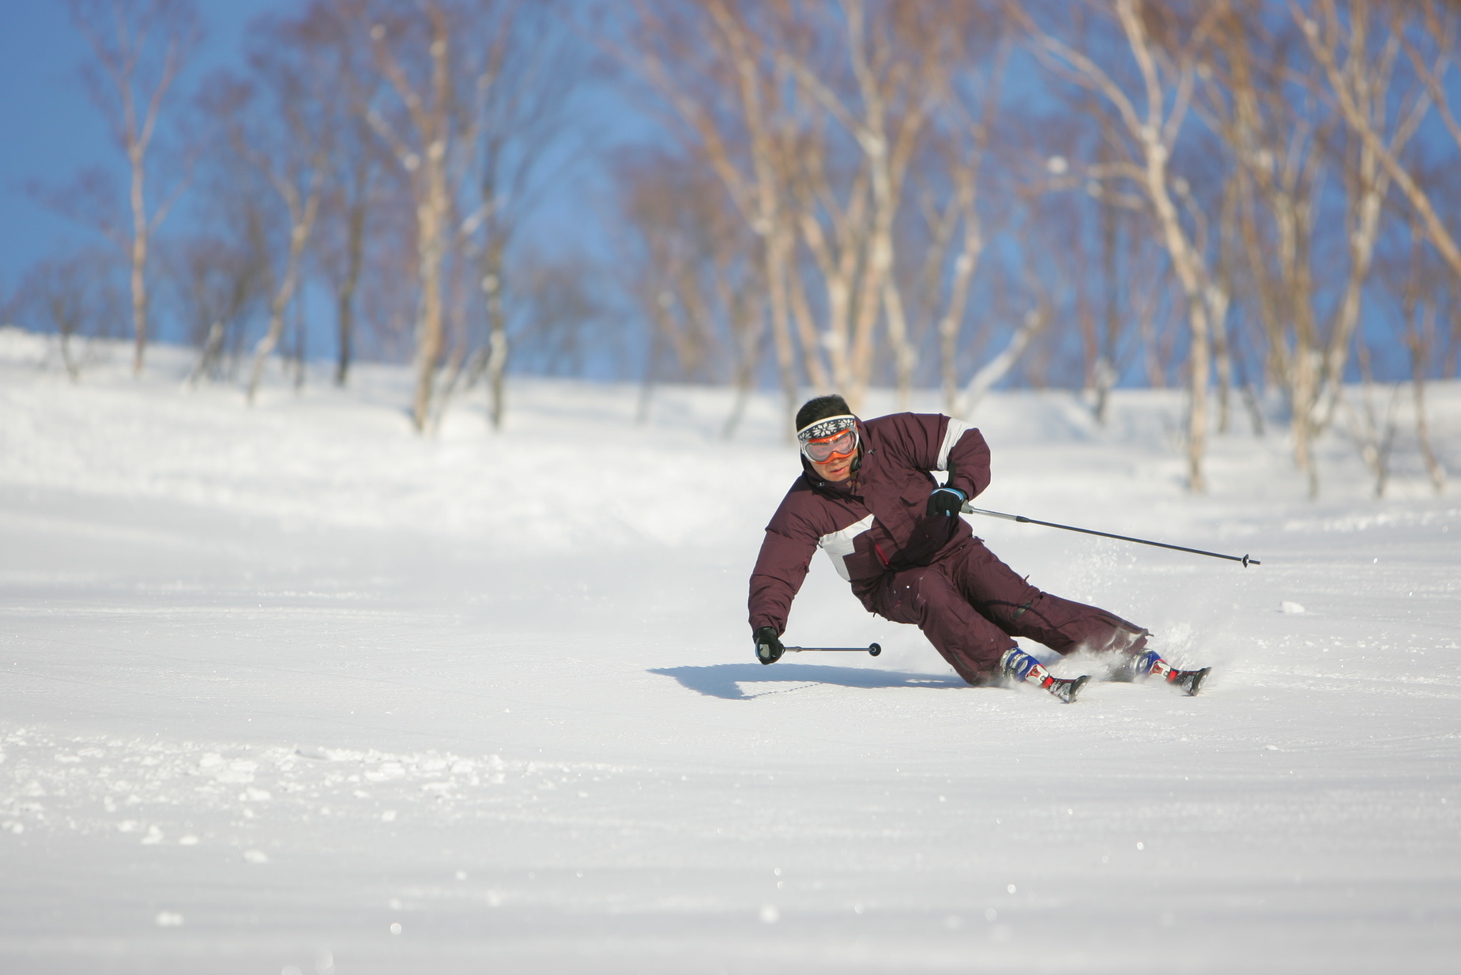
(839, 445)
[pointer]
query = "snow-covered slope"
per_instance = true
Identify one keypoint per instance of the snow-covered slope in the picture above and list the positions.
(291, 689)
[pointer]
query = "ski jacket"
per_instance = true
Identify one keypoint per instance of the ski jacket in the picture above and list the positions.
(874, 522)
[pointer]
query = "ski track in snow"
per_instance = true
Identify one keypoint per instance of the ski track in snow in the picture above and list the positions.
(293, 690)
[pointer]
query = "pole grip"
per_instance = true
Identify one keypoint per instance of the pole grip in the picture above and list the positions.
(971, 510)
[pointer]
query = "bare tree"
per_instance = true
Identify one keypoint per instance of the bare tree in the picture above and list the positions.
(955, 227)
(1263, 94)
(983, 379)
(1103, 370)
(1025, 303)
(697, 276)
(281, 123)
(1339, 35)
(355, 188)
(414, 49)
(1372, 428)
(352, 196)
(815, 117)
(1420, 340)
(896, 60)
(524, 97)
(561, 309)
(1420, 287)
(389, 303)
(68, 295)
(1152, 105)
(674, 208)
(140, 46)
(439, 64)
(715, 67)
(218, 281)
(1278, 137)
(1064, 170)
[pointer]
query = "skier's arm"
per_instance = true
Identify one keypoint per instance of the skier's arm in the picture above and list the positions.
(965, 457)
(780, 570)
(932, 442)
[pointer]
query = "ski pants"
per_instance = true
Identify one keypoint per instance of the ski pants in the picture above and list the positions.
(970, 604)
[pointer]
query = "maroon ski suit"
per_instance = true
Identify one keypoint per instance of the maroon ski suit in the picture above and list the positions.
(910, 567)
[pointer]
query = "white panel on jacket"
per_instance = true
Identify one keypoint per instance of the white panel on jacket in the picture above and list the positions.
(956, 429)
(839, 545)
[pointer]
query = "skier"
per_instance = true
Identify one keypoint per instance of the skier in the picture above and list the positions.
(866, 498)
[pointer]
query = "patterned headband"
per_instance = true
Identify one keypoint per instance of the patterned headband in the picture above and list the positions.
(826, 427)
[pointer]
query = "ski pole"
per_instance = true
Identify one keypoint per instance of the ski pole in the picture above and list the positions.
(1246, 560)
(874, 649)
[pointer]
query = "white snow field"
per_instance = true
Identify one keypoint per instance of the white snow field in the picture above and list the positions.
(293, 690)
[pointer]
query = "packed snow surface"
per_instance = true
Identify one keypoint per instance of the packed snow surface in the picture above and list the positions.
(291, 689)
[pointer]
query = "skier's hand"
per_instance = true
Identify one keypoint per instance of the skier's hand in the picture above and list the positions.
(946, 501)
(768, 645)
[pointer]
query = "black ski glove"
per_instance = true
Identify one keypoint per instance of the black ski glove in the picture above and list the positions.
(946, 501)
(768, 645)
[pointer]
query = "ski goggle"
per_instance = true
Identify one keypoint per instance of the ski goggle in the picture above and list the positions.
(833, 437)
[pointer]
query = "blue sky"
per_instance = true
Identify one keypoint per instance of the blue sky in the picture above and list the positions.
(53, 132)
(51, 128)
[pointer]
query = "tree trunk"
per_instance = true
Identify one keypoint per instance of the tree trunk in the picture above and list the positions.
(752, 327)
(497, 339)
(1433, 466)
(279, 303)
(905, 357)
(431, 212)
(345, 299)
(140, 236)
(1186, 264)
(777, 256)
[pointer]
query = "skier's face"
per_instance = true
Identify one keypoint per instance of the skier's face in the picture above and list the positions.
(831, 454)
(838, 467)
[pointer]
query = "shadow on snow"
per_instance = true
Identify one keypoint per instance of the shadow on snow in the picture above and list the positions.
(726, 680)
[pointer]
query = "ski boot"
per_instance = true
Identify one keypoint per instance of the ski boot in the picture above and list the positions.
(1144, 664)
(1020, 667)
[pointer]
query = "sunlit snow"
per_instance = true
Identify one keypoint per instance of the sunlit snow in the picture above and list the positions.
(292, 689)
